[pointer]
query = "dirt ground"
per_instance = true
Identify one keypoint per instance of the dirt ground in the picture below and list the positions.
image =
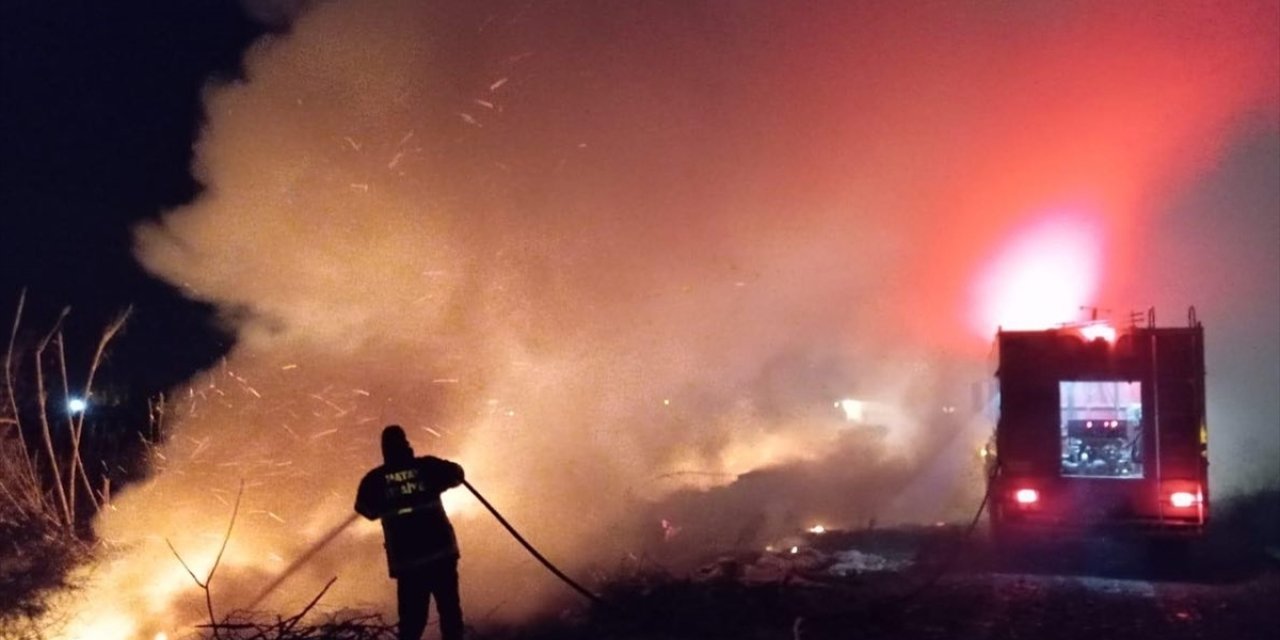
(921, 583)
(1049, 590)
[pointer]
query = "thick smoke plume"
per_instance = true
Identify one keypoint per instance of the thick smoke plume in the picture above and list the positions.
(601, 252)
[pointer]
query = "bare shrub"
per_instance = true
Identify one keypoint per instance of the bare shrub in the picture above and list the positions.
(47, 495)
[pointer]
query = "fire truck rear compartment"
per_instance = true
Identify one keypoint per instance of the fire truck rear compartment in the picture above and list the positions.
(1098, 434)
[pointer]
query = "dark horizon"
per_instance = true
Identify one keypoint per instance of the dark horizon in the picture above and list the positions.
(101, 106)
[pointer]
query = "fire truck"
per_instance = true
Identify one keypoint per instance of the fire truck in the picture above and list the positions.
(1100, 428)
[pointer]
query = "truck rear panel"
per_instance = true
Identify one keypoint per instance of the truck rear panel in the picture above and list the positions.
(1101, 432)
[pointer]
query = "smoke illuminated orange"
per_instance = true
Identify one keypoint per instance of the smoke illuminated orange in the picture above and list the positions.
(584, 248)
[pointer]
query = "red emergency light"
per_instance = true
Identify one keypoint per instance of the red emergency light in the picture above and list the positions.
(1026, 496)
(1095, 331)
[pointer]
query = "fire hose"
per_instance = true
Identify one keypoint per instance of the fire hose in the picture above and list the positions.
(530, 548)
(955, 555)
(337, 530)
(303, 559)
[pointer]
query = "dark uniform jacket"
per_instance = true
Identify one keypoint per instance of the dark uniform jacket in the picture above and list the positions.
(406, 497)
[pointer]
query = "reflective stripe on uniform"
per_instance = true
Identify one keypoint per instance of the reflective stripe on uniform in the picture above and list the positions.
(433, 503)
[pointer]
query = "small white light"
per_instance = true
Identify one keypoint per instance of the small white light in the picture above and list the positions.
(1099, 331)
(853, 409)
(795, 550)
(1027, 496)
(76, 405)
(1182, 499)
(818, 529)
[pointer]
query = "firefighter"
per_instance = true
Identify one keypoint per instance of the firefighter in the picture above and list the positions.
(422, 550)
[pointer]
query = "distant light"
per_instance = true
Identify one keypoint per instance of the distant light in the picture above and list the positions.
(853, 409)
(818, 529)
(795, 550)
(162, 636)
(1027, 496)
(1094, 331)
(1182, 499)
(76, 405)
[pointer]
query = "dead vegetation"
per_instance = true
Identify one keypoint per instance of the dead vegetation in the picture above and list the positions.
(253, 625)
(344, 625)
(48, 494)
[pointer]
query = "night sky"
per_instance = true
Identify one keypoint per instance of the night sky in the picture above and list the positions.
(101, 105)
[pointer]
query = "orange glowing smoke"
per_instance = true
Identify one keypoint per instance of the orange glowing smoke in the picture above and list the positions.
(577, 246)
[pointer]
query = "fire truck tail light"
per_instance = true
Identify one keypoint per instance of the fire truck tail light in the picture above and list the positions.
(1026, 496)
(1184, 499)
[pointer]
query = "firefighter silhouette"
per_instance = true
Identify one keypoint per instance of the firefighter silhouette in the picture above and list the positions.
(422, 550)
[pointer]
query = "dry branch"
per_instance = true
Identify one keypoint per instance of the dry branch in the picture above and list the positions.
(77, 427)
(42, 397)
(26, 485)
(295, 619)
(27, 476)
(343, 625)
(204, 586)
